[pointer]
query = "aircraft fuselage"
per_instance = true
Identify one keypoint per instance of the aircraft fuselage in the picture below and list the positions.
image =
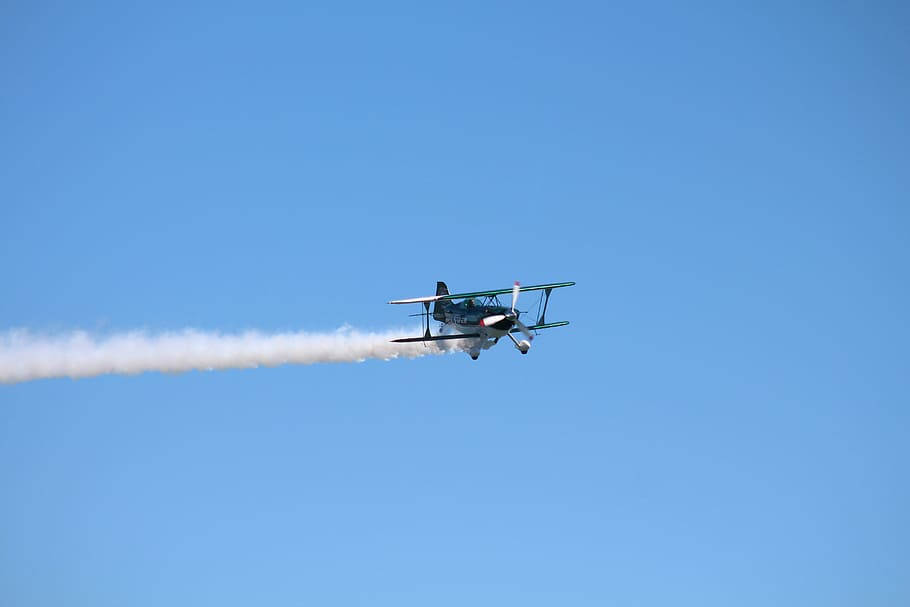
(466, 318)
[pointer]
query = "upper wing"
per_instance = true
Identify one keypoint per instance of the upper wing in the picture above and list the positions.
(427, 299)
(554, 285)
(430, 298)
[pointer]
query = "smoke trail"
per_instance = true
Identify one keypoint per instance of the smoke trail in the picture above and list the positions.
(25, 356)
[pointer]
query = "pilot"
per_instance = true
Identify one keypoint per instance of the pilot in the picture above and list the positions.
(470, 303)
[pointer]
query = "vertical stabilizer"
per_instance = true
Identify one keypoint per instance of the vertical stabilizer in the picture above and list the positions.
(440, 306)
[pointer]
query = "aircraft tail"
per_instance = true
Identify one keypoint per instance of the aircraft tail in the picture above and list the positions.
(440, 306)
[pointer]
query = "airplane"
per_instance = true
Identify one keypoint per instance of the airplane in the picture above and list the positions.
(481, 317)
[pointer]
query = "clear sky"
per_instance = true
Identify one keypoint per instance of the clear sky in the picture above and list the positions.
(725, 421)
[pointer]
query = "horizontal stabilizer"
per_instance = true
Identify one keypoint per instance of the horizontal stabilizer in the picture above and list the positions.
(405, 340)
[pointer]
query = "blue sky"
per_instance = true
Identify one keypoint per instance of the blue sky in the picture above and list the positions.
(724, 422)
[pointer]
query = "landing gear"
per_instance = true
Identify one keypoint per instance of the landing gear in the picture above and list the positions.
(523, 345)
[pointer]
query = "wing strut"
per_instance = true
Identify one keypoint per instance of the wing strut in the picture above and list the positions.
(542, 320)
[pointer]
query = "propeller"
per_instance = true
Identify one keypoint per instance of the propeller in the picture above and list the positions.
(524, 329)
(512, 315)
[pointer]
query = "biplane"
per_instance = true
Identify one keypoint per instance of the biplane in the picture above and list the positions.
(481, 317)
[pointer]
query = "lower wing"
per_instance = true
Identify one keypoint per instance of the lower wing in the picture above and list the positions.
(548, 325)
(403, 340)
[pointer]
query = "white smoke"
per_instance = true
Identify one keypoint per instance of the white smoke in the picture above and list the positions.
(25, 356)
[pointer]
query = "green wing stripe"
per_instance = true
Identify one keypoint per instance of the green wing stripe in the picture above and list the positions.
(554, 285)
(550, 325)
